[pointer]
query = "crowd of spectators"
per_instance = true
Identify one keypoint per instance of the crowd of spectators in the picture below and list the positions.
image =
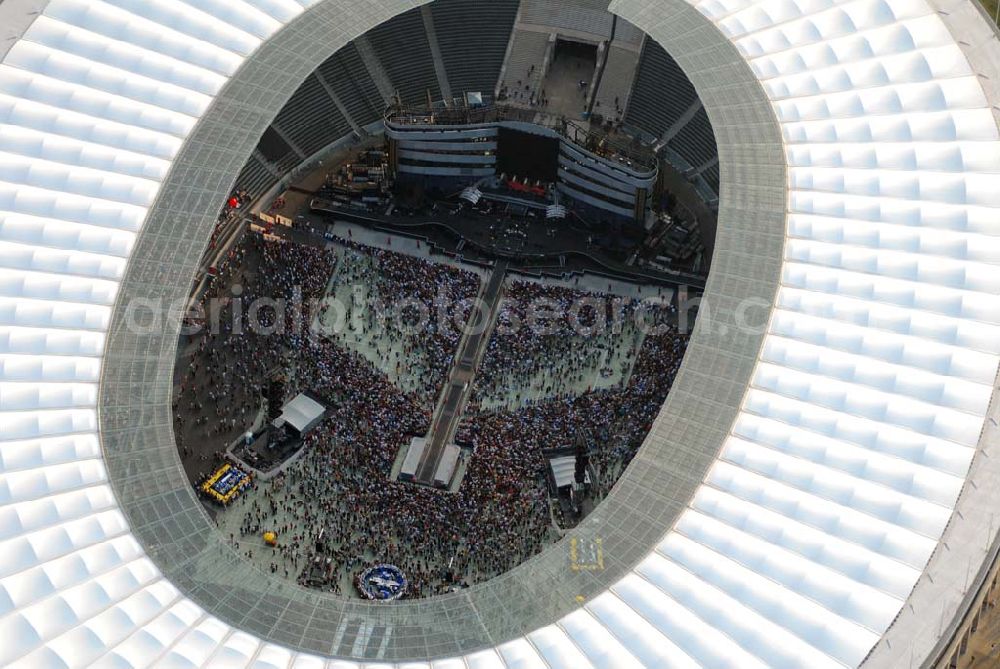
(612, 421)
(410, 311)
(340, 493)
(552, 341)
(232, 347)
(338, 502)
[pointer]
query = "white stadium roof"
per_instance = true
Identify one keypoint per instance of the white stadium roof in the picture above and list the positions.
(827, 502)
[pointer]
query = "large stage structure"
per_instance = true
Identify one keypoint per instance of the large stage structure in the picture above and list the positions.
(454, 145)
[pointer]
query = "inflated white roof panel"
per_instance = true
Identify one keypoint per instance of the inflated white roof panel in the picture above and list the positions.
(128, 30)
(57, 125)
(597, 642)
(830, 493)
(114, 98)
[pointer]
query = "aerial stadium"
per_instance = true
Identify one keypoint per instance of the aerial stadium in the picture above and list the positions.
(780, 453)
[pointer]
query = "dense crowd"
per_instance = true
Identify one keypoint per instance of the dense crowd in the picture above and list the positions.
(614, 420)
(234, 343)
(550, 340)
(410, 313)
(339, 498)
(631, 409)
(340, 492)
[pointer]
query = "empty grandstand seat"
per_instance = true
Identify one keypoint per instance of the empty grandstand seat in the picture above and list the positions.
(255, 178)
(472, 36)
(347, 75)
(711, 176)
(616, 81)
(695, 141)
(311, 119)
(662, 93)
(583, 16)
(528, 49)
(410, 69)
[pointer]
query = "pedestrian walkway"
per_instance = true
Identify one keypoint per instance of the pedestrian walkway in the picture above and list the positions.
(457, 389)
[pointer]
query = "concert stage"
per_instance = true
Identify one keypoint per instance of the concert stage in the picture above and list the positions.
(531, 245)
(274, 446)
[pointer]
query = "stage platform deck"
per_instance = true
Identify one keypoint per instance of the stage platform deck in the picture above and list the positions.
(414, 452)
(522, 244)
(446, 468)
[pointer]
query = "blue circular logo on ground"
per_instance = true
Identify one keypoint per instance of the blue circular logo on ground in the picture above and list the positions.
(383, 582)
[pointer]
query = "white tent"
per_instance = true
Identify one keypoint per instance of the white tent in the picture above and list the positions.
(564, 470)
(413, 455)
(302, 413)
(446, 468)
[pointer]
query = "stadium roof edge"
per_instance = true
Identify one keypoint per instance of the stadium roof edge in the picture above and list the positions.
(859, 150)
